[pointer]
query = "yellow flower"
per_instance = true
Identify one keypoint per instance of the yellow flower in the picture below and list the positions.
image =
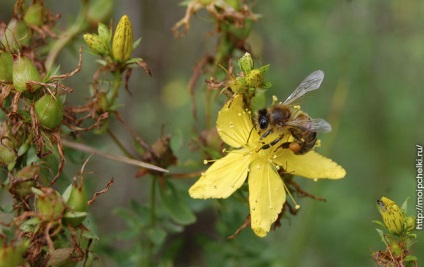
(267, 192)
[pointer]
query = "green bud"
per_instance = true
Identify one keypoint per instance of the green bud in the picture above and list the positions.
(23, 72)
(24, 180)
(49, 111)
(254, 78)
(409, 223)
(34, 15)
(75, 197)
(6, 63)
(96, 44)
(48, 203)
(123, 39)
(15, 35)
(246, 63)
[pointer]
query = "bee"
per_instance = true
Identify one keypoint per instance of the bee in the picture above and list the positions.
(286, 118)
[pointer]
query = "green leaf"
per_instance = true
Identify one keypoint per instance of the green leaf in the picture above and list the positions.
(156, 235)
(136, 43)
(176, 207)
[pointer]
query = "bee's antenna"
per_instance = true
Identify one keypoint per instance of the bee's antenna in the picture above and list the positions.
(254, 127)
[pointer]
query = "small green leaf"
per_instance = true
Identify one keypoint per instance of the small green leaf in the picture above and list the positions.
(156, 235)
(177, 208)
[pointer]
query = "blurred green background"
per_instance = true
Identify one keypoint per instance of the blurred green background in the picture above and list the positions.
(372, 53)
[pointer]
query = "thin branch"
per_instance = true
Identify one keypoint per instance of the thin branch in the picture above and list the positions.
(119, 158)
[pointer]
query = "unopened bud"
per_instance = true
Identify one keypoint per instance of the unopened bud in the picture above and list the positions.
(246, 63)
(392, 215)
(123, 39)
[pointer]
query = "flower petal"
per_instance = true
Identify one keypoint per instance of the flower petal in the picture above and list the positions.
(234, 125)
(266, 196)
(223, 177)
(310, 165)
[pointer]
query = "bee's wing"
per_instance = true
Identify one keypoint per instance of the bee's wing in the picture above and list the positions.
(313, 125)
(310, 83)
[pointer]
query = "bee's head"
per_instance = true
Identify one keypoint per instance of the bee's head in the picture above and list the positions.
(263, 120)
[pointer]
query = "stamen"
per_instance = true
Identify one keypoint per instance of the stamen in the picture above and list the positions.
(290, 195)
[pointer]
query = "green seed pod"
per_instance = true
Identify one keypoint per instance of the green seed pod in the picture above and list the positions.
(6, 63)
(254, 78)
(23, 72)
(49, 203)
(25, 180)
(15, 35)
(8, 153)
(96, 44)
(392, 215)
(246, 63)
(12, 256)
(123, 39)
(49, 111)
(75, 197)
(34, 15)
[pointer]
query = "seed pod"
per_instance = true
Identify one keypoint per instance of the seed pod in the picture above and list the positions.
(6, 63)
(122, 44)
(49, 111)
(15, 35)
(8, 153)
(48, 203)
(12, 255)
(75, 197)
(23, 72)
(34, 15)
(246, 63)
(25, 180)
(102, 104)
(392, 215)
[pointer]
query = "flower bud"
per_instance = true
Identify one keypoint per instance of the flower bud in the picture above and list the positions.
(122, 44)
(48, 203)
(246, 63)
(254, 78)
(96, 44)
(34, 15)
(6, 63)
(409, 223)
(75, 197)
(392, 215)
(24, 180)
(104, 33)
(23, 72)
(49, 111)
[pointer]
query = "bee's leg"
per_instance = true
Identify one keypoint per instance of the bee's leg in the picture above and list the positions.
(268, 132)
(273, 143)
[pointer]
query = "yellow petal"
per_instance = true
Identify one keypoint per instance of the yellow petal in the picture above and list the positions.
(223, 177)
(234, 125)
(266, 196)
(310, 165)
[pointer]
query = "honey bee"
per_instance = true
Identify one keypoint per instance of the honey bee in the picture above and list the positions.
(286, 118)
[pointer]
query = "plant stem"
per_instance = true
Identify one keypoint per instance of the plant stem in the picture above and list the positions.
(119, 144)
